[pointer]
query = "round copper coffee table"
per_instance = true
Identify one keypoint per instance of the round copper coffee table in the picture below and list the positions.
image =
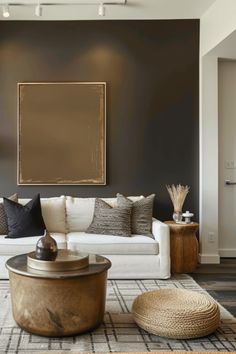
(51, 303)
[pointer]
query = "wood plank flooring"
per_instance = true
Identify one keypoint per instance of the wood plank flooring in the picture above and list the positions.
(220, 281)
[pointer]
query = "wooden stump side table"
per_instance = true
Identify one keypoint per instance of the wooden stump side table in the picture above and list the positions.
(183, 247)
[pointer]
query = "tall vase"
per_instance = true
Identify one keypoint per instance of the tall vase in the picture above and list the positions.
(46, 248)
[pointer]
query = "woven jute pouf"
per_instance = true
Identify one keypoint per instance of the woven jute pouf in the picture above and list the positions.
(176, 313)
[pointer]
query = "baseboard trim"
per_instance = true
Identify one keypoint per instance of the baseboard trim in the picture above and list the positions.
(209, 258)
(227, 252)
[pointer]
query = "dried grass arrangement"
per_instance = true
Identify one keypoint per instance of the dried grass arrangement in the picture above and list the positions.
(177, 195)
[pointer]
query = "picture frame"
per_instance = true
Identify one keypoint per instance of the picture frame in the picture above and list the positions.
(61, 133)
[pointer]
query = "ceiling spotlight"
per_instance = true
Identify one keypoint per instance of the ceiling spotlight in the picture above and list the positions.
(101, 9)
(38, 10)
(5, 11)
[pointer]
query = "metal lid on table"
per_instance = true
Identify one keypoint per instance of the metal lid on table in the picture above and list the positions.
(66, 260)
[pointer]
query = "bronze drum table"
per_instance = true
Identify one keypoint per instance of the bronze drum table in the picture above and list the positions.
(51, 303)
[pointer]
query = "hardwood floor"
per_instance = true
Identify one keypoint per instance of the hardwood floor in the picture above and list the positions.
(220, 281)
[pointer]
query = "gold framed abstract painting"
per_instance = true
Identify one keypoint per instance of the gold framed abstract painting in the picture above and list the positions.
(61, 133)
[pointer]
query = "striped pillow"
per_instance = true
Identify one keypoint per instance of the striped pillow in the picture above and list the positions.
(141, 213)
(3, 216)
(110, 221)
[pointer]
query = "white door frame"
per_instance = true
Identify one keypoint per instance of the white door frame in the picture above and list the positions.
(209, 184)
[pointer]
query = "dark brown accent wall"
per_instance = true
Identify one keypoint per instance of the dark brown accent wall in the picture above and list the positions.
(151, 70)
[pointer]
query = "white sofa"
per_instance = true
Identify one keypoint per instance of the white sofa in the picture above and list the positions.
(67, 218)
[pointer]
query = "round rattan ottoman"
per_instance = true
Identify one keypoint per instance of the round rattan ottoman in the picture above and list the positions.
(176, 313)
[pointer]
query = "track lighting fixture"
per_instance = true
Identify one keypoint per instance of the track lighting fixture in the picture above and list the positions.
(38, 10)
(101, 9)
(5, 11)
(38, 5)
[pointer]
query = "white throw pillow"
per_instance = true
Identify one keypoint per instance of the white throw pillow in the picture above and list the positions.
(79, 211)
(54, 214)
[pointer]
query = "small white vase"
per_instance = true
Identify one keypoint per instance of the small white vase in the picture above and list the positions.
(177, 216)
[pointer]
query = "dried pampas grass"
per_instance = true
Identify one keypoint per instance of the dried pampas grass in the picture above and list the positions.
(177, 195)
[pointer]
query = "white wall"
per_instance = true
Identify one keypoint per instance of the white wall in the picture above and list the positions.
(227, 158)
(217, 32)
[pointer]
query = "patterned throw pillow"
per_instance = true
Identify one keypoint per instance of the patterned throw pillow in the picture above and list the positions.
(3, 217)
(141, 214)
(110, 221)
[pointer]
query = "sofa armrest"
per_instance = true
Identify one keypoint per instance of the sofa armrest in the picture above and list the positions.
(161, 233)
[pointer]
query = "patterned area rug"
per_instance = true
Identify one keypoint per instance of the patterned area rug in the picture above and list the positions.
(118, 333)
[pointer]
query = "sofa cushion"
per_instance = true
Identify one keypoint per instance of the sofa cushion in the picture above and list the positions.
(27, 244)
(79, 211)
(53, 211)
(24, 220)
(110, 221)
(142, 210)
(105, 244)
(54, 214)
(3, 217)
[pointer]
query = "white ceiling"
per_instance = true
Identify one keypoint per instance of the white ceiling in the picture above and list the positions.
(135, 9)
(227, 48)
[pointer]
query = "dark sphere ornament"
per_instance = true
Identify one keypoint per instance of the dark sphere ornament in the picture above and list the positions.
(46, 248)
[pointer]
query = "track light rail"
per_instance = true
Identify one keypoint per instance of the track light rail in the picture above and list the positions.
(60, 3)
(39, 5)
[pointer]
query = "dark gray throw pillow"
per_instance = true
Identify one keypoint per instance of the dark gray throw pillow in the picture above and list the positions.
(110, 221)
(3, 217)
(24, 220)
(141, 214)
